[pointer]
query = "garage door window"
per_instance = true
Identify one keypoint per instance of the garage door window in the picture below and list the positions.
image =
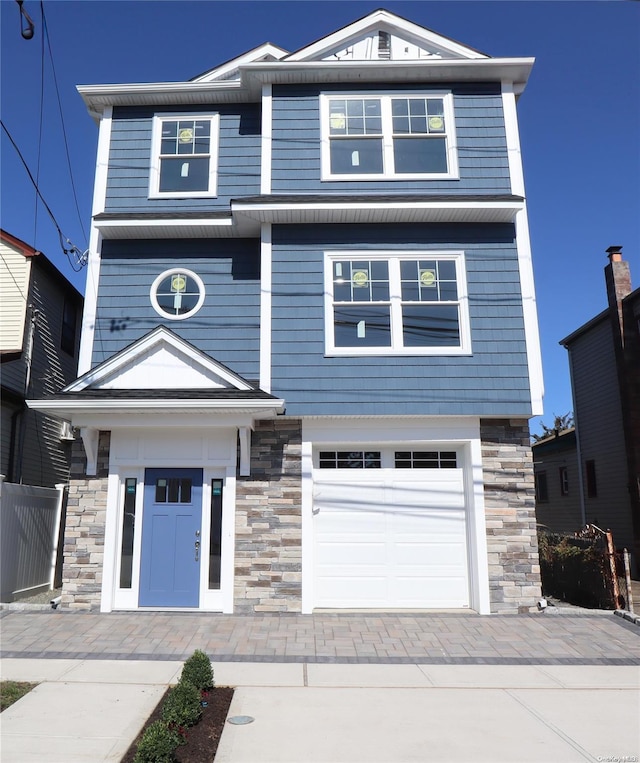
(357, 459)
(426, 459)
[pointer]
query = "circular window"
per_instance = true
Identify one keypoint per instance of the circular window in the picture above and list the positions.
(177, 294)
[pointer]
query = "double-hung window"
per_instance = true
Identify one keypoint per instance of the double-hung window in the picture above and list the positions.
(388, 136)
(396, 303)
(184, 155)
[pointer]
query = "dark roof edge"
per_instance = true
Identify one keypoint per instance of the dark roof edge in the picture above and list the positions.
(584, 328)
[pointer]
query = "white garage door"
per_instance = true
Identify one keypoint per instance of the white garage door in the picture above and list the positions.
(390, 538)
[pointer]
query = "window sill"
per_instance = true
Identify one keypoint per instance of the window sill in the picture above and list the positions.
(353, 352)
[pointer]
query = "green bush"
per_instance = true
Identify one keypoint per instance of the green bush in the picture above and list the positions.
(182, 706)
(197, 671)
(158, 744)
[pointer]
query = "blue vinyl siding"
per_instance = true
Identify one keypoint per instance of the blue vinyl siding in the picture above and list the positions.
(226, 326)
(130, 156)
(482, 148)
(492, 381)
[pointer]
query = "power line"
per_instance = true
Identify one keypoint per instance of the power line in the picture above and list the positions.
(80, 257)
(64, 131)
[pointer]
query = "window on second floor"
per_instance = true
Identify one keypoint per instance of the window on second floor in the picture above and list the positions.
(400, 303)
(184, 157)
(388, 136)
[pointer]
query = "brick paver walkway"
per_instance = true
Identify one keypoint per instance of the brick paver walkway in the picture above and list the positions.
(365, 638)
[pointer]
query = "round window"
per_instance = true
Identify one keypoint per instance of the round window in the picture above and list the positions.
(177, 294)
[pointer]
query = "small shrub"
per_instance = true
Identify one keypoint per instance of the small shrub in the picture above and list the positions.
(197, 671)
(158, 744)
(182, 706)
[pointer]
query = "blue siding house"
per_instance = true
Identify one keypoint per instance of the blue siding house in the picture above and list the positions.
(309, 349)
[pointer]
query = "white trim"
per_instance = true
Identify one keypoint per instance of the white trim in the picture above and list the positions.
(265, 308)
(388, 22)
(307, 544)
(514, 155)
(154, 160)
(90, 310)
(256, 54)
(89, 315)
(244, 435)
(530, 313)
(90, 437)
(158, 336)
(477, 529)
(102, 162)
(385, 97)
(266, 144)
(129, 459)
(462, 433)
(394, 257)
(153, 293)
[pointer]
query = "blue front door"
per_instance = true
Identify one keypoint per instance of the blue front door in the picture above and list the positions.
(171, 526)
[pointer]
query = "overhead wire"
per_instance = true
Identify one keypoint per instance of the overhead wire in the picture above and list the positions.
(63, 239)
(64, 130)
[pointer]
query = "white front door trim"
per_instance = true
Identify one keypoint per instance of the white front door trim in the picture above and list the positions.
(134, 451)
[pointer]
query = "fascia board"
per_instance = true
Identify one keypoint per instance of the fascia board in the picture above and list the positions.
(515, 70)
(158, 228)
(156, 406)
(254, 75)
(97, 97)
(389, 22)
(266, 49)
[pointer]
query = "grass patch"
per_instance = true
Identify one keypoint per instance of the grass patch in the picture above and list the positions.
(11, 691)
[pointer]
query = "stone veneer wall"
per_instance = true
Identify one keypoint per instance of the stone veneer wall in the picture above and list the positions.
(509, 494)
(85, 529)
(268, 562)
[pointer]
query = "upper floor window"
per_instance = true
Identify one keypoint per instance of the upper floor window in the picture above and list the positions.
(184, 155)
(564, 480)
(403, 303)
(374, 137)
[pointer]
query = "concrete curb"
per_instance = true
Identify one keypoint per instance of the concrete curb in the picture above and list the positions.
(630, 616)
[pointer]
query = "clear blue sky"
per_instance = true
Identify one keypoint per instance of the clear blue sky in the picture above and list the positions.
(579, 117)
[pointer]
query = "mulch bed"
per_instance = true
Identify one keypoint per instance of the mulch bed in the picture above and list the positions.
(203, 738)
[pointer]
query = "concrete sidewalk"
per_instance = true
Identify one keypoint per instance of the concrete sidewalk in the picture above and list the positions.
(89, 711)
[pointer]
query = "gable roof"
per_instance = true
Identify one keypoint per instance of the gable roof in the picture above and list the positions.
(160, 360)
(407, 39)
(380, 47)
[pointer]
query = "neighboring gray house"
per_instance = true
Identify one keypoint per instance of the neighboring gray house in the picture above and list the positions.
(310, 347)
(604, 361)
(558, 493)
(40, 314)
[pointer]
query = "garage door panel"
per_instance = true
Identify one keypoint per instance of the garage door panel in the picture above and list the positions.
(390, 540)
(430, 555)
(370, 591)
(349, 554)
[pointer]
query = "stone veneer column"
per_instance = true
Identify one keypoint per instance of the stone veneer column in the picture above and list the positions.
(268, 553)
(509, 494)
(85, 529)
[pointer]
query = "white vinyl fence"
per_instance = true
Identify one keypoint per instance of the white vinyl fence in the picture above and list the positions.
(29, 530)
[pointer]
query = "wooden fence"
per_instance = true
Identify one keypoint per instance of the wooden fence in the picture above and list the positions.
(29, 531)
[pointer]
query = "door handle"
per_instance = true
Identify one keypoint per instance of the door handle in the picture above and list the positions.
(197, 550)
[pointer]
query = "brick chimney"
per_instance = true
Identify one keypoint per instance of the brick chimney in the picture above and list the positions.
(618, 279)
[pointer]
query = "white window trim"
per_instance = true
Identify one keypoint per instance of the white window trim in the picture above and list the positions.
(154, 169)
(394, 256)
(450, 134)
(158, 281)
